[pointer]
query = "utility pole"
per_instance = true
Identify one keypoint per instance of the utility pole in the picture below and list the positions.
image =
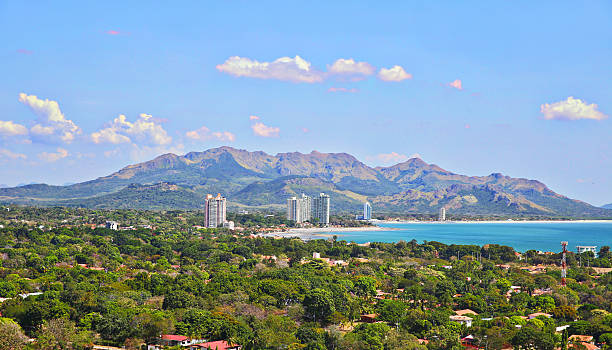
(563, 264)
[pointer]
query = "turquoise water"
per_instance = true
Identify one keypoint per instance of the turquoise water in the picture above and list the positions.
(543, 236)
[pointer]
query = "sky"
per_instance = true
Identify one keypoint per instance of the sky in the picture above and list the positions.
(476, 87)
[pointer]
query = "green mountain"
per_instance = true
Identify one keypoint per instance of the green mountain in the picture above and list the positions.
(263, 180)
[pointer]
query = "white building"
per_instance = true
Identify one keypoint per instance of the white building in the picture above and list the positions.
(214, 210)
(299, 209)
(466, 320)
(113, 225)
(320, 208)
(305, 208)
(228, 225)
(586, 248)
(367, 211)
(293, 209)
(442, 216)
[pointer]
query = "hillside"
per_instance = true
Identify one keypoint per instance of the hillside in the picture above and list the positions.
(259, 179)
(607, 206)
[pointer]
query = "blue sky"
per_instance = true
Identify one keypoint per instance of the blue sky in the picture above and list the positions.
(521, 87)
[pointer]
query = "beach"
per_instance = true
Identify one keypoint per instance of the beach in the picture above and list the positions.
(321, 232)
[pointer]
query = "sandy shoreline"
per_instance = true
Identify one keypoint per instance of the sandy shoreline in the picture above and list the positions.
(319, 232)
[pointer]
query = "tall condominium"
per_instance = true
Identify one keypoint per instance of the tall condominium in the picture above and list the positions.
(293, 209)
(320, 208)
(442, 216)
(305, 208)
(298, 208)
(214, 210)
(367, 211)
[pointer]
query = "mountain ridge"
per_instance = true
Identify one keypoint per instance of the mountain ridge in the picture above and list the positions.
(259, 179)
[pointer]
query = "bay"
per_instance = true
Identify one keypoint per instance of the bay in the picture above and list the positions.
(544, 236)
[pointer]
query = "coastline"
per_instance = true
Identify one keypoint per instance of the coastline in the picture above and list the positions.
(319, 232)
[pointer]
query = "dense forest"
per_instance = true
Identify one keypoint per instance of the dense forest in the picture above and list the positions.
(67, 283)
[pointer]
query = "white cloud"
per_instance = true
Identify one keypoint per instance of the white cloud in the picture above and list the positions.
(260, 129)
(295, 69)
(393, 157)
(456, 84)
(5, 153)
(53, 157)
(253, 117)
(395, 73)
(204, 134)
(144, 130)
(350, 67)
(8, 128)
(571, 109)
(109, 135)
(341, 89)
(51, 125)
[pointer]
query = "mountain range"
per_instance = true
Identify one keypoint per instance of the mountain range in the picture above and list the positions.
(607, 206)
(257, 179)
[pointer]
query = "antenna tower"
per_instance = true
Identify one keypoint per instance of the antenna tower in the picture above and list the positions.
(563, 264)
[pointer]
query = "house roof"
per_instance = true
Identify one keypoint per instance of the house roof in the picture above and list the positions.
(588, 346)
(536, 314)
(174, 337)
(582, 338)
(465, 312)
(217, 345)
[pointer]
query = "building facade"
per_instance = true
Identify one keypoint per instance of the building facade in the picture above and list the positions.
(586, 248)
(214, 210)
(299, 208)
(367, 211)
(320, 208)
(293, 209)
(442, 216)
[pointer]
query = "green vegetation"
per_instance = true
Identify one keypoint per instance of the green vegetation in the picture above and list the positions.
(127, 287)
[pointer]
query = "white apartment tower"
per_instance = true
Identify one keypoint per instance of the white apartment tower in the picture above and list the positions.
(367, 211)
(305, 208)
(442, 216)
(214, 210)
(293, 209)
(320, 208)
(298, 209)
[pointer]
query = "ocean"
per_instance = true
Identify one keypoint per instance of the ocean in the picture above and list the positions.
(544, 236)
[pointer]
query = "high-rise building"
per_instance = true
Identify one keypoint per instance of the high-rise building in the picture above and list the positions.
(367, 211)
(214, 210)
(320, 208)
(293, 209)
(442, 216)
(305, 208)
(298, 209)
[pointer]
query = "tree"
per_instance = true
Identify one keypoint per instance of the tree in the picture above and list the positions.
(11, 335)
(604, 252)
(391, 310)
(565, 313)
(61, 334)
(532, 338)
(319, 305)
(365, 286)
